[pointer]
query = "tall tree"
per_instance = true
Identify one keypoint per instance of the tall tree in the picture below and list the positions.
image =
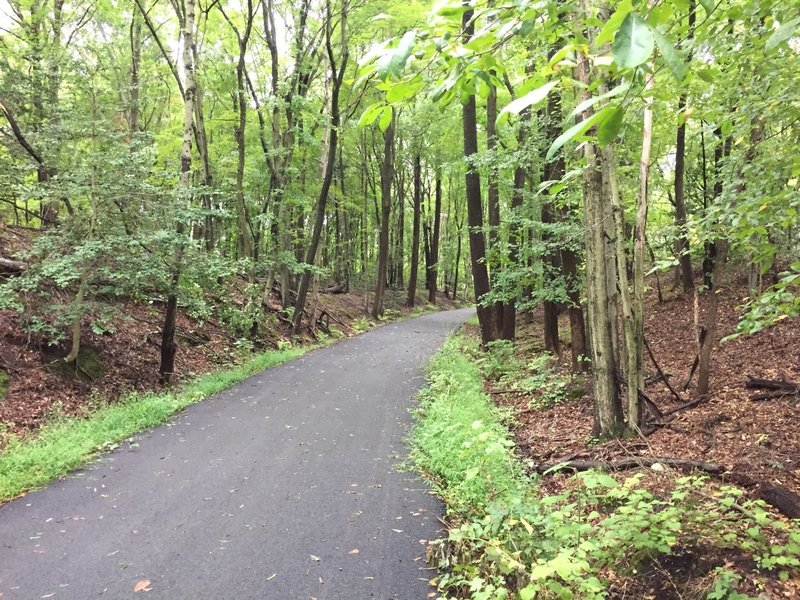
(387, 174)
(337, 66)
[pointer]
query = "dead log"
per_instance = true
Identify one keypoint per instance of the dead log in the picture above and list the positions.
(337, 288)
(652, 406)
(778, 388)
(631, 463)
(786, 501)
(11, 266)
(686, 406)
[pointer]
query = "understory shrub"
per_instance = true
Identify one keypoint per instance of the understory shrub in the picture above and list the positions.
(508, 541)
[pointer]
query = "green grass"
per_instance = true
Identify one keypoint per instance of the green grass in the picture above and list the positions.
(506, 539)
(460, 441)
(67, 444)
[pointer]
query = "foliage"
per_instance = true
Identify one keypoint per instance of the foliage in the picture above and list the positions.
(459, 440)
(508, 541)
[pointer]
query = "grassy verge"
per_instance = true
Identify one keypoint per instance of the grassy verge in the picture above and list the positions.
(66, 444)
(602, 536)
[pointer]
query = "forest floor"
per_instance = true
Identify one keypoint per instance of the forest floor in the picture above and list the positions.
(757, 443)
(37, 391)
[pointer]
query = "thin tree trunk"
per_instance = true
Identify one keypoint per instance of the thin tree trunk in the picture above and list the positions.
(553, 171)
(414, 266)
(682, 242)
(433, 270)
(493, 193)
(333, 140)
(167, 366)
(710, 339)
(636, 353)
(387, 169)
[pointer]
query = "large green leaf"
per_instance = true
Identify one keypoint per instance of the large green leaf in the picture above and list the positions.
(609, 128)
(671, 56)
(576, 130)
(393, 63)
(708, 5)
(783, 33)
(634, 42)
(530, 99)
(386, 118)
(370, 114)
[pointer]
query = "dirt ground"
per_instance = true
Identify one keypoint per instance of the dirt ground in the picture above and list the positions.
(37, 391)
(756, 442)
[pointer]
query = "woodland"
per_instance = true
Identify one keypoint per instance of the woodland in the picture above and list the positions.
(614, 184)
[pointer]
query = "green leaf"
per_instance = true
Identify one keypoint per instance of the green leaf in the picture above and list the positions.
(706, 75)
(386, 118)
(527, 593)
(708, 5)
(612, 25)
(609, 128)
(634, 42)
(530, 99)
(402, 91)
(783, 33)
(392, 64)
(589, 102)
(370, 114)
(575, 131)
(671, 56)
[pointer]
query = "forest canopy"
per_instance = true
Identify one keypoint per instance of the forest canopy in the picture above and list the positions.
(524, 154)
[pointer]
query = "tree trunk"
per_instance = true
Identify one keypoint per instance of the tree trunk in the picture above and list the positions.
(601, 301)
(682, 242)
(433, 270)
(333, 140)
(636, 360)
(387, 169)
(477, 243)
(167, 366)
(414, 266)
(553, 171)
(493, 193)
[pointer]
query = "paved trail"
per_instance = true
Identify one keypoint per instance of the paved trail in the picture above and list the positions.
(282, 488)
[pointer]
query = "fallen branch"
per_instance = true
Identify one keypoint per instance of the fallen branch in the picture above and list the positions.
(9, 265)
(664, 377)
(779, 388)
(631, 463)
(782, 499)
(686, 406)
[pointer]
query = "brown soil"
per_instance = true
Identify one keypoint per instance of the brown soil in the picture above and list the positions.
(755, 441)
(758, 443)
(130, 355)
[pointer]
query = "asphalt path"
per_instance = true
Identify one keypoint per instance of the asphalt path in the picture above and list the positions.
(284, 487)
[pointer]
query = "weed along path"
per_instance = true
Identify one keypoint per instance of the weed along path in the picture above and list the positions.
(284, 487)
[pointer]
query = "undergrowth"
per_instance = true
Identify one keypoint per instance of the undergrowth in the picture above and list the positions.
(67, 443)
(594, 540)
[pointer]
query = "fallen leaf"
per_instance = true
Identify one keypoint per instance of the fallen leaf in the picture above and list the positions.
(142, 586)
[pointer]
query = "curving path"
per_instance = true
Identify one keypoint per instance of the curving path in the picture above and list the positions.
(284, 487)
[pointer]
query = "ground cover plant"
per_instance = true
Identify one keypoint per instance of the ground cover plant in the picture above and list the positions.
(657, 533)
